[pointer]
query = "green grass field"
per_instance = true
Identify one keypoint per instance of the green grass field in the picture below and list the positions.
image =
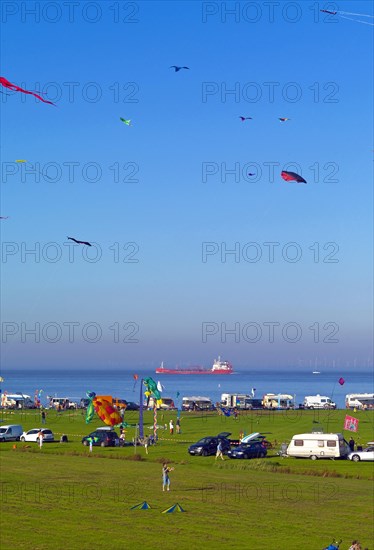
(61, 496)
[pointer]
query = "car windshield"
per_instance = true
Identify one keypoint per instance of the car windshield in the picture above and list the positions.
(204, 441)
(47, 432)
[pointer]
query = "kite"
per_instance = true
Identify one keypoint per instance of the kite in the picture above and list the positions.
(283, 119)
(243, 118)
(90, 407)
(152, 390)
(135, 377)
(176, 68)
(343, 15)
(125, 121)
(341, 381)
(79, 242)
(292, 176)
(14, 88)
(106, 412)
(4, 217)
(250, 174)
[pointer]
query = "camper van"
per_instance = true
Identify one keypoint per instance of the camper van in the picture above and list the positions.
(63, 402)
(11, 432)
(240, 401)
(318, 402)
(16, 401)
(167, 404)
(278, 401)
(318, 445)
(197, 403)
(359, 401)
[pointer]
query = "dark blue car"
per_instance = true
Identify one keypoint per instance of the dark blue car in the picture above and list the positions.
(254, 449)
(208, 445)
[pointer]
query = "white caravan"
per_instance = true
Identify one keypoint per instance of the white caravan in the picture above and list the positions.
(318, 445)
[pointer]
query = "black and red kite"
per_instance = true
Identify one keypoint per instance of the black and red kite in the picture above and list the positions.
(292, 176)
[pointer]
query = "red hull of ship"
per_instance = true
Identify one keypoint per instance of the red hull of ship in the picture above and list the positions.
(187, 371)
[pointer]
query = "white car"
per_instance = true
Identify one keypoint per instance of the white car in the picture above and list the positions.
(365, 454)
(32, 435)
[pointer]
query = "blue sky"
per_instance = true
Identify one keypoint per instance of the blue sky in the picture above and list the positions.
(181, 141)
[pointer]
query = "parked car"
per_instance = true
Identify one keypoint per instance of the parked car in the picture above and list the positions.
(249, 450)
(32, 435)
(102, 438)
(365, 454)
(131, 406)
(208, 445)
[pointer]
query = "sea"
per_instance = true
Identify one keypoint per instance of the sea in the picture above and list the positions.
(74, 383)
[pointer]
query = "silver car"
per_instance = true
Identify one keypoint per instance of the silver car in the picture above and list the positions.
(365, 454)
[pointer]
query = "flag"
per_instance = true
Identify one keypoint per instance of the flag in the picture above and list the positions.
(341, 381)
(351, 423)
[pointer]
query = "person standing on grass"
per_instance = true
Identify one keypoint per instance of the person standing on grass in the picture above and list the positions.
(171, 427)
(40, 438)
(43, 417)
(178, 425)
(219, 453)
(165, 476)
(91, 443)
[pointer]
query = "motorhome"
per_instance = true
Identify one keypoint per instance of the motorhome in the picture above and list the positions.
(166, 403)
(62, 402)
(240, 401)
(16, 401)
(359, 401)
(318, 402)
(318, 445)
(197, 403)
(278, 401)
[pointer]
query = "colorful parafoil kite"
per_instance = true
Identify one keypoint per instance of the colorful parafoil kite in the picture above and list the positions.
(341, 381)
(4, 82)
(292, 176)
(108, 414)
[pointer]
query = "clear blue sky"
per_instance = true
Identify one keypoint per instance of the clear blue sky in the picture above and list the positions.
(179, 136)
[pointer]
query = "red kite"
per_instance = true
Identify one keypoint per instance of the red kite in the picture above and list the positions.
(4, 82)
(292, 176)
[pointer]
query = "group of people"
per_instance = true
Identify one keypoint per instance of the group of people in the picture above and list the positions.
(177, 426)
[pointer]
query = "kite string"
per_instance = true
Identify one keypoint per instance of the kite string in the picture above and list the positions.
(357, 20)
(351, 13)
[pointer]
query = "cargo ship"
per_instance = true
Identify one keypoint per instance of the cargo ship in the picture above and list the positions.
(219, 367)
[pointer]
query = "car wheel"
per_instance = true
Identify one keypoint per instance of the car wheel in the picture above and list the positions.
(102, 444)
(262, 455)
(356, 458)
(22, 439)
(85, 443)
(311, 408)
(245, 456)
(204, 453)
(326, 407)
(314, 457)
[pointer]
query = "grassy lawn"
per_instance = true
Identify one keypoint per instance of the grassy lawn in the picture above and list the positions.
(61, 496)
